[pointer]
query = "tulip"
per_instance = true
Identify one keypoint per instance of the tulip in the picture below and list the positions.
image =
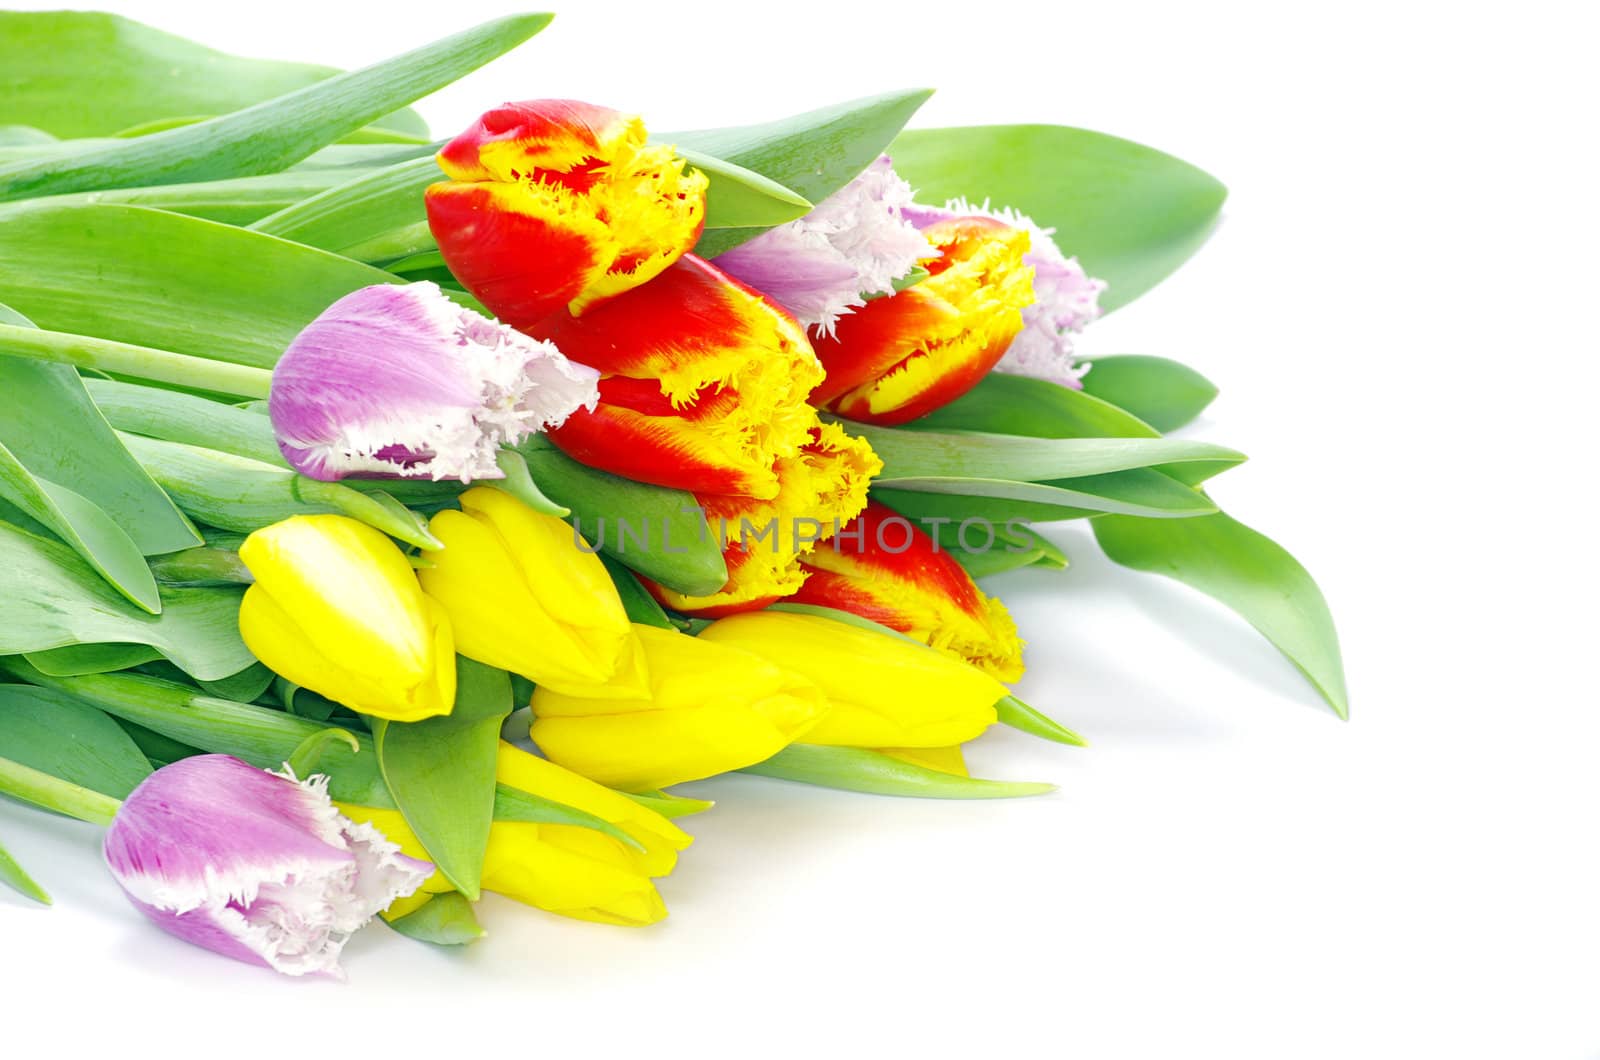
(883, 568)
(900, 357)
(521, 595)
(336, 608)
(704, 384)
(400, 381)
(711, 708)
(554, 203)
(566, 869)
(820, 489)
(883, 691)
(854, 245)
(1066, 299)
(253, 865)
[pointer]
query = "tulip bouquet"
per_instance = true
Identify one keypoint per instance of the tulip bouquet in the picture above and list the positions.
(386, 520)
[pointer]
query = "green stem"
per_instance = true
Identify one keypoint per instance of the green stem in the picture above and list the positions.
(56, 794)
(142, 362)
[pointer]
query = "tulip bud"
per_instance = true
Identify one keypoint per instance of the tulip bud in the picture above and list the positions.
(253, 865)
(711, 708)
(882, 691)
(885, 569)
(900, 357)
(566, 869)
(522, 596)
(1066, 299)
(554, 203)
(704, 384)
(400, 381)
(336, 608)
(854, 244)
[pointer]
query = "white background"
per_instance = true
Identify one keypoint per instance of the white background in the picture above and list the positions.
(1399, 309)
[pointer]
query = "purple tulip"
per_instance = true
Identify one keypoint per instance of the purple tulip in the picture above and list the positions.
(253, 865)
(1066, 299)
(852, 245)
(399, 381)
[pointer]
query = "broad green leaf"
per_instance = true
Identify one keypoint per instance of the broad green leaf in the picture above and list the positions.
(49, 422)
(875, 773)
(1017, 404)
(928, 454)
(357, 211)
(23, 136)
(636, 599)
(1031, 551)
(212, 290)
(58, 734)
(1247, 572)
(201, 566)
(244, 495)
(14, 876)
(52, 793)
(176, 417)
(441, 772)
(74, 660)
(737, 197)
(274, 134)
(1140, 491)
(160, 750)
(670, 544)
(88, 530)
(88, 73)
(1130, 214)
(247, 685)
(236, 202)
(812, 154)
(53, 598)
(444, 920)
(1160, 391)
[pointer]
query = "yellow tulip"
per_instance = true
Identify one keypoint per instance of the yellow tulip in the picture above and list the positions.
(522, 596)
(939, 759)
(336, 608)
(711, 709)
(884, 691)
(565, 869)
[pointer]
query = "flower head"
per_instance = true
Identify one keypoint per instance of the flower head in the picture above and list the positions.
(854, 244)
(397, 380)
(253, 865)
(1066, 299)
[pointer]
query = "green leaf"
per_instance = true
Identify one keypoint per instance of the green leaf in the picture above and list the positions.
(812, 154)
(308, 754)
(1140, 491)
(87, 73)
(49, 422)
(927, 454)
(53, 598)
(680, 552)
(201, 566)
(1247, 572)
(636, 599)
(519, 483)
(1129, 213)
(90, 532)
(737, 197)
(66, 738)
(669, 806)
(237, 201)
(441, 772)
(1160, 391)
(14, 876)
(444, 920)
(1017, 404)
(52, 793)
(76, 659)
(247, 685)
(359, 210)
(23, 136)
(875, 773)
(244, 495)
(1018, 715)
(168, 282)
(177, 417)
(513, 804)
(272, 135)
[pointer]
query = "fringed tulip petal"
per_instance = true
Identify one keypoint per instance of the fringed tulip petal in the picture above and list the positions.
(883, 568)
(556, 204)
(253, 865)
(523, 596)
(900, 357)
(400, 381)
(854, 244)
(882, 691)
(711, 709)
(337, 609)
(705, 385)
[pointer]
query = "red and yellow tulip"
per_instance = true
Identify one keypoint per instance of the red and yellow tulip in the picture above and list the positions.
(554, 204)
(883, 568)
(903, 356)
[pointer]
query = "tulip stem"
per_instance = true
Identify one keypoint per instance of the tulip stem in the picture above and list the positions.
(53, 793)
(141, 362)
